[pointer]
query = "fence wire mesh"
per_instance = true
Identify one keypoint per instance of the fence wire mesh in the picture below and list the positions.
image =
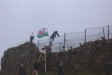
(93, 34)
(75, 39)
(110, 31)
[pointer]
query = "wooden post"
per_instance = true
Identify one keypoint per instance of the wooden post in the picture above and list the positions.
(108, 32)
(103, 32)
(45, 56)
(64, 41)
(67, 44)
(85, 36)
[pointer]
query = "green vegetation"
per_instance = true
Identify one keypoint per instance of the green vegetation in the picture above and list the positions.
(81, 73)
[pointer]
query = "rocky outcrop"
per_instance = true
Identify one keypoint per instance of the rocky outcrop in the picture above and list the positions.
(90, 56)
(25, 54)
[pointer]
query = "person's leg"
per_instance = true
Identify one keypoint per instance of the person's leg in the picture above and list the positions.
(51, 40)
(36, 73)
(61, 71)
(58, 71)
(31, 39)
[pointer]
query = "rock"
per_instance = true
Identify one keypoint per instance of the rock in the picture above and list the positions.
(90, 56)
(25, 54)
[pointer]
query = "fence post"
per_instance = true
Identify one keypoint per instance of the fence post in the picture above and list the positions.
(60, 46)
(108, 32)
(103, 32)
(85, 36)
(64, 41)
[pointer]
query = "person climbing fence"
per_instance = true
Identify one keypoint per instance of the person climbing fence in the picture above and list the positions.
(52, 37)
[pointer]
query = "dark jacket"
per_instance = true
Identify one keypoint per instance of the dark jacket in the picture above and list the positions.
(22, 71)
(36, 66)
(31, 38)
(54, 34)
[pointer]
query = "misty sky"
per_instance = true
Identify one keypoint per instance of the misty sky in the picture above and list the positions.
(19, 18)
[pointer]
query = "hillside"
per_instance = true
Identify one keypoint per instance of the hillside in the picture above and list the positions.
(89, 57)
(25, 54)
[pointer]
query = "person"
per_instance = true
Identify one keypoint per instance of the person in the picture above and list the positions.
(59, 65)
(36, 68)
(46, 49)
(108, 67)
(31, 37)
(52, 37)
(22, 70)
(71, 48)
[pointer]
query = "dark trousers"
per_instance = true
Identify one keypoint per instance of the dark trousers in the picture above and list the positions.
(60, 71)
(51, 41)
(31, 39)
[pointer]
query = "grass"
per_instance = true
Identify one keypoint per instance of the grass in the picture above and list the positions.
(80, 73)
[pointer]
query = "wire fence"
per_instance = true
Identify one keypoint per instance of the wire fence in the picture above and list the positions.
(68, 40)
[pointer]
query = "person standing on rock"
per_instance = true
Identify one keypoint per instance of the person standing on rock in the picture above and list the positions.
(31, 37)
(22, 70)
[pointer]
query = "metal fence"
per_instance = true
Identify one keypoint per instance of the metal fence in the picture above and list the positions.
(74, 40)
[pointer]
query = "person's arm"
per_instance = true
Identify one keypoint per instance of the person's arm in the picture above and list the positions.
(33, 72)
(58, 34)
(57, 63)
(39, 57)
